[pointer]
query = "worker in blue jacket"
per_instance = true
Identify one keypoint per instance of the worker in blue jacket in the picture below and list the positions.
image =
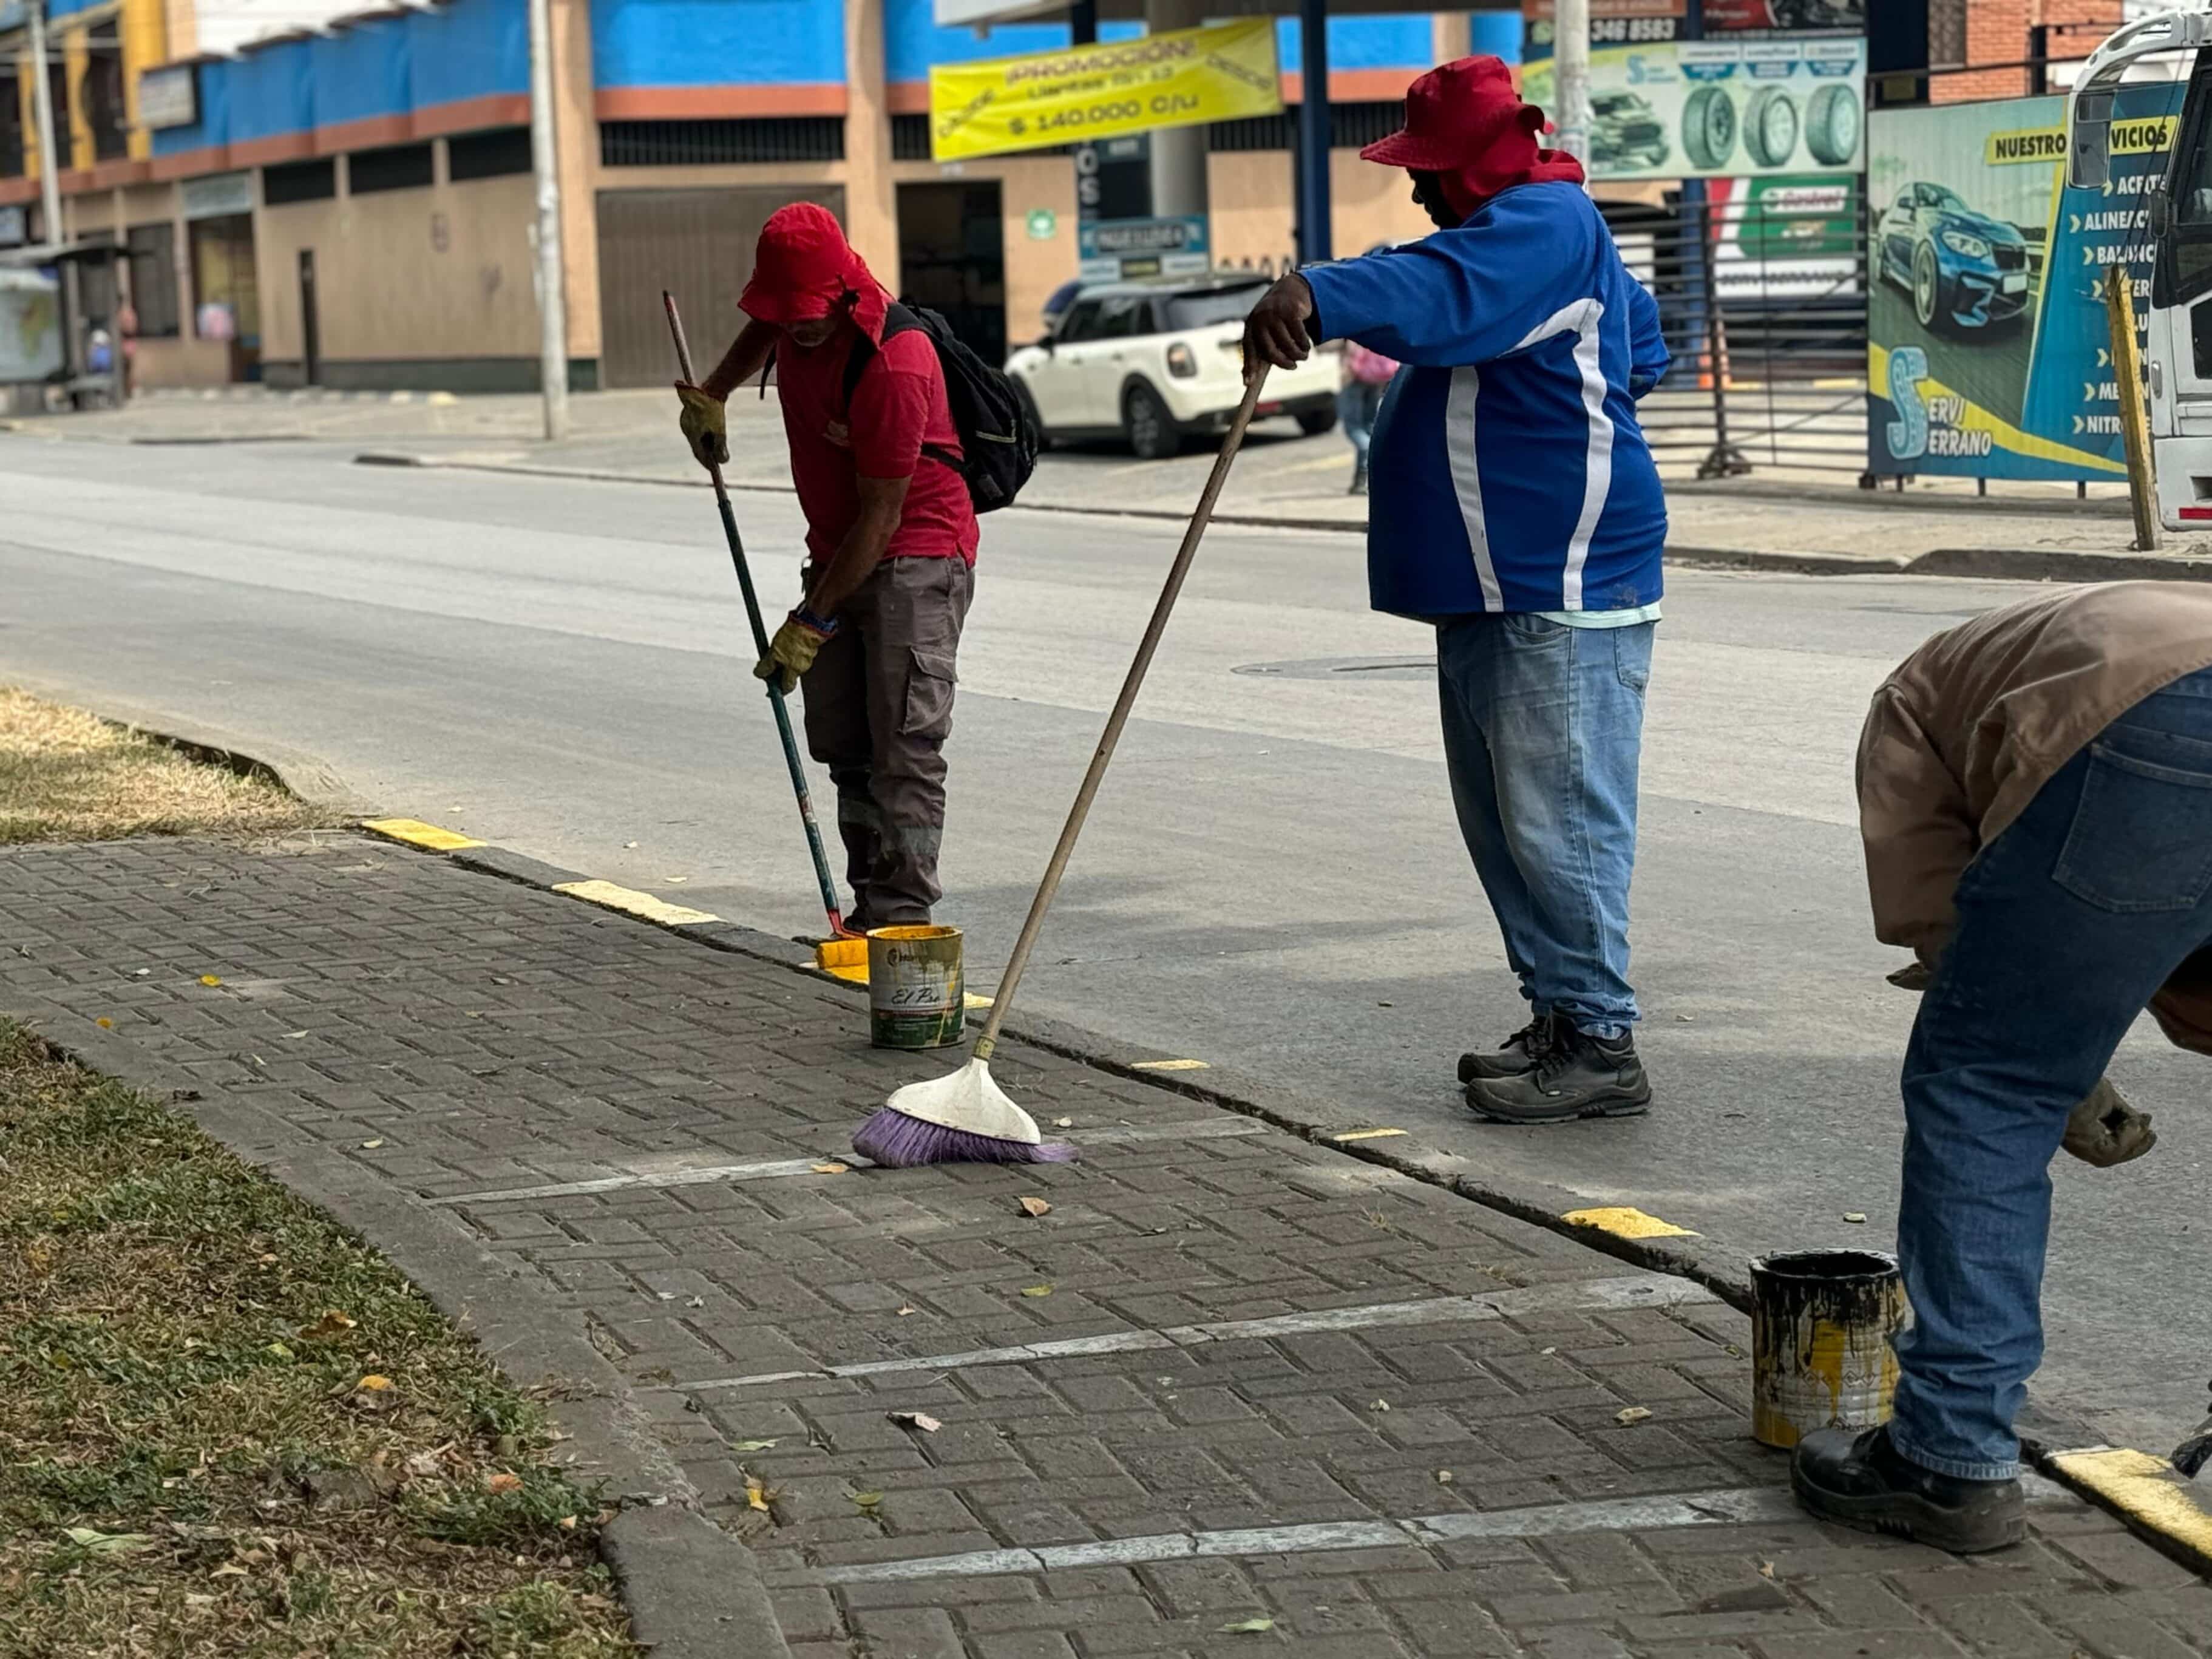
(1516, 506)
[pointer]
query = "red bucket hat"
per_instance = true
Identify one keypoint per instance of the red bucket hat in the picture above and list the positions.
(1465, 121)
(804, 269)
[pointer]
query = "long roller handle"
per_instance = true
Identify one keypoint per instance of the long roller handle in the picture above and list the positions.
(1057, 864)
(822, 876)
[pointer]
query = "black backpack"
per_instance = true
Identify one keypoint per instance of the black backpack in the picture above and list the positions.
(999, 438)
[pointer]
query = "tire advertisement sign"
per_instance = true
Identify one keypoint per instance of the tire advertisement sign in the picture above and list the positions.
(1721, 109)
(1726, 17)
(1988, 354)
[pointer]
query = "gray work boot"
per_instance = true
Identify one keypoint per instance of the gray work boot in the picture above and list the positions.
(1857, 1478)
(1515, 1057)
(1577, 1075)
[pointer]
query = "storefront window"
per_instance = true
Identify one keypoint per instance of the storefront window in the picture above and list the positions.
(154, 281)
(228, 301)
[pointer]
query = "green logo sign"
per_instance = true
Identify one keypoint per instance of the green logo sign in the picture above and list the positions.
(1044, 223)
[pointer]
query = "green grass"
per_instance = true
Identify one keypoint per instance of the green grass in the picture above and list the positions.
(189, 1463)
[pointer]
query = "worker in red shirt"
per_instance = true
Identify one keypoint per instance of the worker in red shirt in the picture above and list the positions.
(890, 542)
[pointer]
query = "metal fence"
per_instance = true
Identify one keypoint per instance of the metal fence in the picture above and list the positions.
(1763, 302)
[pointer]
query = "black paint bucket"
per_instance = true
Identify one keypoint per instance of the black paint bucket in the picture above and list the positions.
(1820, 1328)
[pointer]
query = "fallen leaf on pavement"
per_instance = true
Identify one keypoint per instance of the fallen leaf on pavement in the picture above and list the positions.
(1443, 1477)
(1037, 1290)
(629, 844)
(903, 1312)
(1034, 1207)
(105, 1023)
(370, 1146)
(751, 1446)
(1063, 1123)
(1854, 1215)
(210, 979)
(1631, 1414)
(1249, 1627)
(922, 1420)
(1766, 1570)
(756, 1494)
(1380, 1405)
(831, 1167)
(333, 1323)
(108, 1543)
(567, 1523)
(868, 1500)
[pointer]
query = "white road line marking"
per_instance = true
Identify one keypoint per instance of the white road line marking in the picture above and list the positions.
(1205, 1128)
(1650, 1291)
(1732, 1507)
(1725, 1507)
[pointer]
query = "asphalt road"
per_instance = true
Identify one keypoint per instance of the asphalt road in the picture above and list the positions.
(1271, 881)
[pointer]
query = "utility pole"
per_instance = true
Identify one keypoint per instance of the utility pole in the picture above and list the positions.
(552, 300)
(1571, 78)
(42, 100)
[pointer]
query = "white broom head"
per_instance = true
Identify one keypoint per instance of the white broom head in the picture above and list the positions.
(968, 1101)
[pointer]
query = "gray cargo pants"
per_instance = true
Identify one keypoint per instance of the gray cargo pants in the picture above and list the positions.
(879, 708)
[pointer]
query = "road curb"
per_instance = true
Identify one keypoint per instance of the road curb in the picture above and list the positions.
(2008, 564)
(692, 1590)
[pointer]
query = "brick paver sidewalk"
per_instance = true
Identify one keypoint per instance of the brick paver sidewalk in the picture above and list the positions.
(1230, 1377)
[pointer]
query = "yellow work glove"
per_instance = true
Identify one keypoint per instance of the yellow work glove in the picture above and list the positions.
(705, 425)
(792, 651)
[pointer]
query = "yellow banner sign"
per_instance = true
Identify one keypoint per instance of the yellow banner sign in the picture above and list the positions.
(2144, 137)
(1044, 99)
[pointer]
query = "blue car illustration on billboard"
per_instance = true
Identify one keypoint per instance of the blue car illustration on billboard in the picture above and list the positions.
(1964, 269)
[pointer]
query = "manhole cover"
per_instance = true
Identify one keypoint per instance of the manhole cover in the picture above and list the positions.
(1347, 668)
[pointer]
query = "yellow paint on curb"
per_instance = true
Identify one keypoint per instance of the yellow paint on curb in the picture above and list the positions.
(644, 906)
(1168, 1066)
(2142, 1490)
(833, 954)
(1365, 1135)
(416, 833)
(1624, 1223)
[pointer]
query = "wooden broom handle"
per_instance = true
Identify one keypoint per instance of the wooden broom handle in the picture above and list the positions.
(1057, 864)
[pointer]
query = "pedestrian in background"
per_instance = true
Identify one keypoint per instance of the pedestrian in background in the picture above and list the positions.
(2035, 794)
(1518, 510)
(890, 543)
(1366, 378)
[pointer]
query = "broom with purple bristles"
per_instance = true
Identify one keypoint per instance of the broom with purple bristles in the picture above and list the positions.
(966, 1118)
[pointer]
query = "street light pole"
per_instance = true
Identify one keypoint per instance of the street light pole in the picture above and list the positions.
(552, 302)
(42, 100)
(1570, 77)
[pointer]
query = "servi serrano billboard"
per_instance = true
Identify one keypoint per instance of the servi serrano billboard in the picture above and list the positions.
(1988, 352)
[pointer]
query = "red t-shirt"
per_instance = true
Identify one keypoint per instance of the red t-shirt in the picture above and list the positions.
(898, 407)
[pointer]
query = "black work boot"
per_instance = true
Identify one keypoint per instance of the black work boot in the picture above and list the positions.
(1577, 1075)
(1857, 1479)
(1515, 1057)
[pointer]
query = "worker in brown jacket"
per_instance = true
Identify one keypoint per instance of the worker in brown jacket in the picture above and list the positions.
(2035, 794)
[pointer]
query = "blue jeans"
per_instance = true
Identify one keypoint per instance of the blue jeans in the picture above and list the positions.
(2067, 923)
(1356, 405)
(1543, 731)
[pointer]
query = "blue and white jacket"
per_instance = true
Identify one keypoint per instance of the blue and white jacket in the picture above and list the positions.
(1508, 471)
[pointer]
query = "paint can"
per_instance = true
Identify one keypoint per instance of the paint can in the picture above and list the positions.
(1822, 1322)
(916, 996)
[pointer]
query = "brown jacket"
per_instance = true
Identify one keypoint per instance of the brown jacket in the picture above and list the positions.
(1977, 719)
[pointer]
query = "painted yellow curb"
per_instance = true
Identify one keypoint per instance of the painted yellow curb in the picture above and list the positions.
(1365, 1135)
(2143, 1490)
(416, 833)
(1624, 1223)
(838, 955)
(629, 902)
(1168, 1066)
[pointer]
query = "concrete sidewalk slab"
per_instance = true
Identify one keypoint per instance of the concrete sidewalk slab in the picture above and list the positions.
(1227, 1378)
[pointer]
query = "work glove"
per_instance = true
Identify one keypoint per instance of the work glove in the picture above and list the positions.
(792, 651)
(705, 425)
